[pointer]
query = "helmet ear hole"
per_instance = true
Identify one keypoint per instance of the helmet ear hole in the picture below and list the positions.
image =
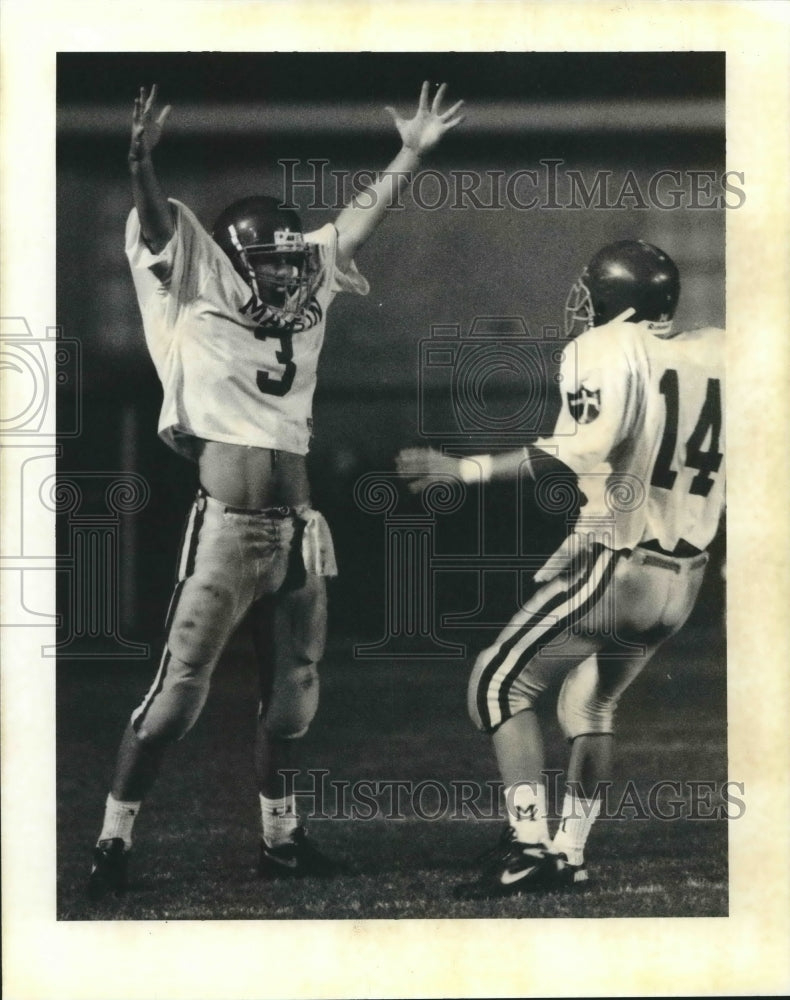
(600, 312)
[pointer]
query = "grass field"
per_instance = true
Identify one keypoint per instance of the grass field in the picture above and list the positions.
(196, 838)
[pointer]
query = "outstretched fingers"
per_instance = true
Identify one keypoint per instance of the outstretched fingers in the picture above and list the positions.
(426, 128)
(393, 113)
(147, 129)
(451, 117)
(144, 105)
(448, 114)
(151, 100)
(438, 98)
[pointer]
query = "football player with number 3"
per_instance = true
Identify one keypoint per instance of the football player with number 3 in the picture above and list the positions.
(234, 322)
(645, 404)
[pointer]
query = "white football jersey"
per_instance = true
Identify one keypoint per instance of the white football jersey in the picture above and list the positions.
(644, 416)
(230, 369)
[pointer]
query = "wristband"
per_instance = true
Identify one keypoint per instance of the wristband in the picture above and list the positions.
(475, 469)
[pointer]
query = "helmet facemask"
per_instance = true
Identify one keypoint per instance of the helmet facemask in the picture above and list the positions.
(579, 313)
(284, 273)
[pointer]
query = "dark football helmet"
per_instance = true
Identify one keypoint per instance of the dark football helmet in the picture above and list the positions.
(266, 246)
(628, 274)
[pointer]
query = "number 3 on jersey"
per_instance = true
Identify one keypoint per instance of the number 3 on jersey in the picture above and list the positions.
(266, 382)
(709, 422)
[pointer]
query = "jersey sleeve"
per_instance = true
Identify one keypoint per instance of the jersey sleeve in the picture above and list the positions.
(596, 385)
(337, 280)
(173, 276)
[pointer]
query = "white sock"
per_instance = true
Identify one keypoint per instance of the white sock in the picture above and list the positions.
(578, 816)
(279, 819)
(526, 811)
(119, 819)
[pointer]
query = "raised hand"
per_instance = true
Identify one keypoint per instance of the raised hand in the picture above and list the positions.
(422, 132)
(146, 129)
(424, 465)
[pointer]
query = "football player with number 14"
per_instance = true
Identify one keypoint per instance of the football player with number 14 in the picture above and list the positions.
(234, 323)
(641, 411)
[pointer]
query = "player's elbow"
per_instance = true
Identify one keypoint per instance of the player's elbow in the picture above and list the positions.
(354, 226)
(156, 230)
(156, 242)
(348, 243)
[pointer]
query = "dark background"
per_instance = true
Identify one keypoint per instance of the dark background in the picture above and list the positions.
(234, 116)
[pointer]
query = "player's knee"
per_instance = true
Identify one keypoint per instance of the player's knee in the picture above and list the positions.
(309, 649)
(293, 704)
(482, 701)
(173, 710)
(580, 715)
(160, 728)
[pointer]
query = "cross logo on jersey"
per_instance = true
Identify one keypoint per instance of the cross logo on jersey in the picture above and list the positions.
(585, 405)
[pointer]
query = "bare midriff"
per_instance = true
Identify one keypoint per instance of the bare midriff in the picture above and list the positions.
(255, 478)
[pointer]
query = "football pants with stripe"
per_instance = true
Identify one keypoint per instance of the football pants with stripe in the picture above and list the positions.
(233, 564)
(597, 623)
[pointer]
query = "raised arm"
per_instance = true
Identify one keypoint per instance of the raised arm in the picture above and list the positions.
(153, 210)
(419, 135)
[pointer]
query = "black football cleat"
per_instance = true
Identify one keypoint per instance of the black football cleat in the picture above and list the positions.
(495, 855)
(298, 858)
(521, 868)
(524, 868)
(566, 875)
(109, 873)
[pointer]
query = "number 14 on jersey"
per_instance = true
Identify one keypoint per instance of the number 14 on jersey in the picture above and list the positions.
(707, 428)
